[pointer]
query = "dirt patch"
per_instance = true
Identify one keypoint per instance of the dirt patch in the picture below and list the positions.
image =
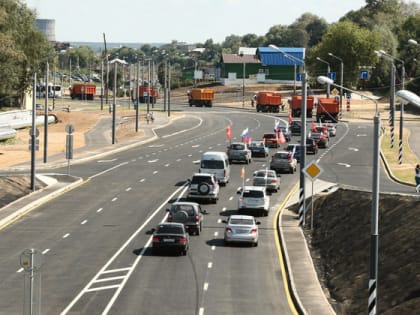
(340, 247)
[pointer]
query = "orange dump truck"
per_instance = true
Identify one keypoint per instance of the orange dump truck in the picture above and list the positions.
(268, 102)
(328, 109)
(83, 91)
(201, 97)
(296, 105)
(146, 91)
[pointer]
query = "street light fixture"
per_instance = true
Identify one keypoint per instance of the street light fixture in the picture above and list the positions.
(373, 275)
(341, 80)
(328, 71)
(302, 205)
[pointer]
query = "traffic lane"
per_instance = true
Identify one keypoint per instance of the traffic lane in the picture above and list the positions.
(350, 161)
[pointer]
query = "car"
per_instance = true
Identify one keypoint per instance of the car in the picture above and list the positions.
(295, 149)
(258, 148)
(286, 133)
(217, 163)
(283, 161)
(295, 127)
(170, 236)
(241, 229)
(203, 186)
(188, 213)
(332, 130)
(266, 178)
(253, 199)
(320, 139)
(311, 146)
(238, 151)
(324, 130)
(271, 140)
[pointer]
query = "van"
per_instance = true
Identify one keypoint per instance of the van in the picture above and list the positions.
(216, 163)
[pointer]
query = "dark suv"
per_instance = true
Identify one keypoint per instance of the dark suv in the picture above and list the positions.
(188, 213)
(295, 127)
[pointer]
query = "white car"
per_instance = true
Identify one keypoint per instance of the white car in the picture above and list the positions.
(253, 199)
(241, 229)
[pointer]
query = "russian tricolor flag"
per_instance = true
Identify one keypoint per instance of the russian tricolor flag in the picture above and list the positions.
(244, 135)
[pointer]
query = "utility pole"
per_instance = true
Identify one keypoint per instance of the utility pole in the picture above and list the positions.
(47, 91)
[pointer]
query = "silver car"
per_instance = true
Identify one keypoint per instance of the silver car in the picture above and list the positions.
(266, 178)
(238, 151)
(253, 199)
(241, 229)
(283, 161)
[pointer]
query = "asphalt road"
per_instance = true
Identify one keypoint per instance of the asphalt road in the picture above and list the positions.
(95, 241)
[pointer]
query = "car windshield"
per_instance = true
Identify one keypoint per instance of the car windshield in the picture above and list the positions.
(241, 221)
(212, 164)
(170, 229)
(201, 179)
(253, 194)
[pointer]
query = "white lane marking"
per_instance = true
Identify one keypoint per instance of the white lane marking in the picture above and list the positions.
(344, 164)
(210, 148)
(206, 286)
(153, 161)
(106, 161)
(216, 233)
(353, 149)
(155, 145)
(20, 270)
(108, 170)
(189, 155)
(219, 220)
(230, 198)
(213, 247)
(167, 165)
(155, 172)
(128, 189)
(133, 160)
(201, 311)
(195, 146)
(247, 180)
(361, 135)
(100, 209)
(45, 251)
(210, 265)
(224, 209)
(114, 199)
(83, 222)
(117, 253)
(196, 162)
(178, 160)
(142, 180)
(66, 235)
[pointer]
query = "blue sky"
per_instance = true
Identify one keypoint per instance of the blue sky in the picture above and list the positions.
(191, 21)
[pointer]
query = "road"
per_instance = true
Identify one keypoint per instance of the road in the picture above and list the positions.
(95, 239)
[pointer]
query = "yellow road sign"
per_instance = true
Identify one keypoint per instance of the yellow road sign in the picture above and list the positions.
(313, 170)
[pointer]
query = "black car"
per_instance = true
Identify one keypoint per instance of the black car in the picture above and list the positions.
(311, 146)
(286, 133)
(295, 149)
(295, 127)
(170, 236)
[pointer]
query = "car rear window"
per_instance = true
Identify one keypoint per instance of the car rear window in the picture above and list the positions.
(201, 179)
(281, 156)
(241, 221)
(263, 174)
(212, 164)
(269, 136)
(172, 229)
(290, 148)
(237, 147)
(253, 194)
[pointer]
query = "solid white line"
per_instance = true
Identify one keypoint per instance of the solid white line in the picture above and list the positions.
(153, 161)
(117, 253)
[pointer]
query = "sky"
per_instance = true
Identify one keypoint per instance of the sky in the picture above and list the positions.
(190, 21)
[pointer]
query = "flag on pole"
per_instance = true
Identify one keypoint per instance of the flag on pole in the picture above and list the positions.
(276, 126)
(290, 117)
(244, 135)
(313, 126)
(229, 132)
(249, 140)
(281, 139)
(243, 172)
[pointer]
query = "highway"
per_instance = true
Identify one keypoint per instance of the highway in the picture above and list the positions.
(96, 239)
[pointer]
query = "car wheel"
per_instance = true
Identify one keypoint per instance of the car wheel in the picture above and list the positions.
(197, 230)
(265, 213)
(292, 170)
(230, 161)
(255, 244)
(226, 242)
(204, 189)
(184, 252)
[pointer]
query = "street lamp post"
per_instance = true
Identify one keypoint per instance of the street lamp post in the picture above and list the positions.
(243, 79)
(341, 81)
(373, 275)
(302, 201)
(385, 55)
(328, 72)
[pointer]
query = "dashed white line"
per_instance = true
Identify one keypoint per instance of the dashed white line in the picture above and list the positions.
(167, 165)
(153, 161)
(210, 265)
(45, 251)
(219, 221)
(155, 172)
(213, 247)
(201, 311)
(142, 180)
(216, 233)
(206, 286)
(83, 222)
(178, 160)
(128, 189)
(114, 199)
(20, 270)
(66, 235)
(230, 198)
(99, 210)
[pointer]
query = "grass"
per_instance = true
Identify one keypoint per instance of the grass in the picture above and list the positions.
(405, 170)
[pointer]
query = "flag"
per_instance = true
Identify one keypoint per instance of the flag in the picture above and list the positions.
(243, 172)
(244, 135)
(249, 140)
(276, 126)
(229, 132)
(290, 117)
(281, 139)
(313, 126)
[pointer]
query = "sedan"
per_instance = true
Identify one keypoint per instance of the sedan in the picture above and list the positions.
(267, 179)
(258, 148)
(170, 236)
(241, 229)
(283, 161)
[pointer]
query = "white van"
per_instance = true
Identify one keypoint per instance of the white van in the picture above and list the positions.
(216, 163)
